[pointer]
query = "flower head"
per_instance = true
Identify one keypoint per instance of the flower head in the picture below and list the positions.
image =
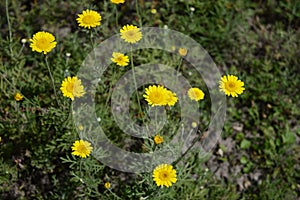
(89, 19)
(153, 11)
(160, 96)
(120, 59)
(23, 40)
(82, 148)
(182, 51)
(173, 48)
(194, 124)
(164, 175)
(80, 127)
(230, 85)
(158, 139)
(131, 33)
(107, 185)
(71, 87)
(171, 98)
(196, 94)
(42, 42)
(156, 95)
(117, 1)
(18, 96)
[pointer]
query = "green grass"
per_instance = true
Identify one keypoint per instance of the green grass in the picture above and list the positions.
(258, 41)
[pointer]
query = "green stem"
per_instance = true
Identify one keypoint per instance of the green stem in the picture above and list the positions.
(197, 139)
(117, 23)
(115, 195)
(110, 88)
(9, 28)
(52, 80)
(179, 66)
(80, 167)
(134, 79)
(177, 70)
(91, 39)
(190, 147)
(67, 62)
(138, 12)
(21, 50)
(15, 89)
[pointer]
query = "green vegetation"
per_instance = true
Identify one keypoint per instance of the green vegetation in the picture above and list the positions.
(258, 156)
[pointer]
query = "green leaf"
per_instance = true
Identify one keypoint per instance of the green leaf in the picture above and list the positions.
(239, 136)
(243, 160)
(245, 144)
(289, 138)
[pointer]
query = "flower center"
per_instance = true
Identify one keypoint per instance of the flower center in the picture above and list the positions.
(70, 87)
(163, 176)
(119, 59)
(195, 94)
(230, 86)
(130, 33)
(42, 43)
(157, 97)
(88, 19)
(81, 148)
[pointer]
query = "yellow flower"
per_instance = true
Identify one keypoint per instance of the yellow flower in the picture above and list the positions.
(156, 95)
(120, 59)
(164, 175)
(196, 94)
(71, 87)
(153, 11)
(172, 98)
(194, 124)
(131, 34)
(107, 185)
(182, 51)
(18, 96)
(230, 85)
(42, 42)
(117, 1)
(88, 19)
(81, 148)
(158, 139)
(80, 127)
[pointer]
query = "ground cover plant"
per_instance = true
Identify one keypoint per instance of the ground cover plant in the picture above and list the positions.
(49, 153)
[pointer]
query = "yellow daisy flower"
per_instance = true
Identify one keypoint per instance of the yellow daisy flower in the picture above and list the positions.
(107, 185)
(71, 87)
(182, 51)
(82, 148)
(18, 96)
(172, 98)
(173, 48)
(156, 95)
(117, 1)
(164, 175)
(131, 34)
(153, 11)
(80, 127)
(120, 59)
(89, 19)
(196, 94)
(158, 139)
(230, 85)
(194, 124)
(42, 42)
